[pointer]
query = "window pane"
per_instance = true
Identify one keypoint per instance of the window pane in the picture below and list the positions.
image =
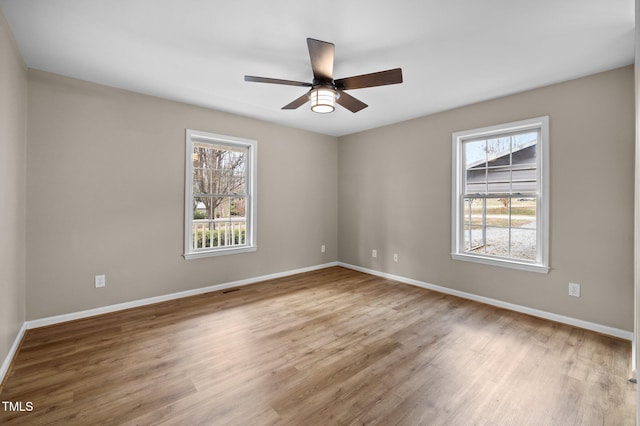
(498, 186)
(201, 181)
(497, 232)
(221, 208)
(229, 227)
(524, 163)
(498, 150)
(523, 243)
(524, 230)
(473, 223)
(497, 241)
(236, 182)
(524, 188)
(499, 165)
(501, 171)
(200, 154)
(219, 169)
(477, 213)
(202, 208)
(498, 212)
(238, 208)
(473, 211)
(229, 233)
(201, 224)
(475, 153)
(473, 239)
(475, 164)
(468, 205)
(523, 210)
(238, 224)
(521, 143)
(219, 182)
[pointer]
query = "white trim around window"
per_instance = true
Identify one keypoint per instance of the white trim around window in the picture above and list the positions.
(220, 195)
(504, 164)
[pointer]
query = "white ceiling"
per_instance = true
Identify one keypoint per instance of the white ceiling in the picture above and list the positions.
(452, 52)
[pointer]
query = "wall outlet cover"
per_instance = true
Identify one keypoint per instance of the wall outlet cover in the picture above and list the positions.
(100, 281)
(574, 289)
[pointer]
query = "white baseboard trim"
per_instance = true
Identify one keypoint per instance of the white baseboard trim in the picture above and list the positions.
(603, 329)
(4, 368)
(42, 322)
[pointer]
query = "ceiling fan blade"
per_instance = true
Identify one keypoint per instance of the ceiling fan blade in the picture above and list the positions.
(380, 78)
(298, 102)
(321, 54)
(350, 103)
(275, 81)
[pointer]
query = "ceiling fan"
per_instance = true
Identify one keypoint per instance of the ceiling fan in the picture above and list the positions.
(324, 91)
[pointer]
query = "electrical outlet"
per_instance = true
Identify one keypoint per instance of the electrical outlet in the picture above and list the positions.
(574, 289)
(374, 253)
(322, 248)
(395, 257)
(100, 281)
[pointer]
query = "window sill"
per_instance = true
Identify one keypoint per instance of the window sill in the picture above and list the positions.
(504, 263)
(219, 252)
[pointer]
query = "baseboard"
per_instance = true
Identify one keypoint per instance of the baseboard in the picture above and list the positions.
(603, 329)
(4, 368)
(42, 322)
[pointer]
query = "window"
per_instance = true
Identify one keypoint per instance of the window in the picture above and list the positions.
(220, 195)
(500, 195)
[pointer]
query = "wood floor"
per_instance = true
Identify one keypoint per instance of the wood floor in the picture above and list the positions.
(333, 346)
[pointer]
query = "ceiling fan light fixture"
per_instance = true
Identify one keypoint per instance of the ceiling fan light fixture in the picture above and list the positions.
(325, 91)
(323, 100)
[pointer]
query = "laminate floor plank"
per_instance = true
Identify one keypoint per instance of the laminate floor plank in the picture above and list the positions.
(333, 346)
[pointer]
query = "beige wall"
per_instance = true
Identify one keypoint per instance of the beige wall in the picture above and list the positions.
(105, 195)
(395, 196)
(13, 142)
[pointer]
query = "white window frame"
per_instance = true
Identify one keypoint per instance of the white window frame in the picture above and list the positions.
(251, 188)
(541, 264)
